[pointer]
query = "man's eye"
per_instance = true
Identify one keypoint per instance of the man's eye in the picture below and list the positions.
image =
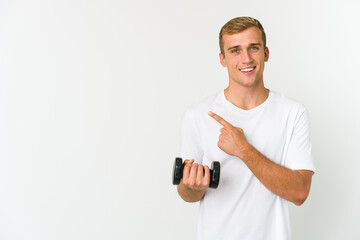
(235, 51)
(254, 48)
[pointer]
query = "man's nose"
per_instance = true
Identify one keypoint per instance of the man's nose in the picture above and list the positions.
(246, 57)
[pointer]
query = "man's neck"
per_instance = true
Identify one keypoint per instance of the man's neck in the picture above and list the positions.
(246, 97)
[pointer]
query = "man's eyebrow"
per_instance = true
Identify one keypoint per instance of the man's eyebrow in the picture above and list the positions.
(237, 46)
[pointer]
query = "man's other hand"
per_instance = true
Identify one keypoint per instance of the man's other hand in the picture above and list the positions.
(232, 139)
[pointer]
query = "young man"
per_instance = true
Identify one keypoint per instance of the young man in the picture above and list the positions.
(260, 138)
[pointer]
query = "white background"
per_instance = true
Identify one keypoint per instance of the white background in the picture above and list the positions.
(91, 99)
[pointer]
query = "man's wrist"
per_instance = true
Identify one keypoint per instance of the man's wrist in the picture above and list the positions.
(245, 151)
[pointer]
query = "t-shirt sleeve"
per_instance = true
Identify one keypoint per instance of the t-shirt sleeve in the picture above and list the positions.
(299, 155)
(190, 139)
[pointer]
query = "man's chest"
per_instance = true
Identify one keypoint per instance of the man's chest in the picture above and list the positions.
(268, 133)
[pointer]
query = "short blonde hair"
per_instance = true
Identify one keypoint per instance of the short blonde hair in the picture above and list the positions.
(237, 25)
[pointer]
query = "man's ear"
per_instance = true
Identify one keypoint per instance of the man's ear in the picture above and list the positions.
(222, 59)
(267, 54)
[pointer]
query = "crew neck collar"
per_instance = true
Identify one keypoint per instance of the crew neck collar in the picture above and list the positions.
(230, 105)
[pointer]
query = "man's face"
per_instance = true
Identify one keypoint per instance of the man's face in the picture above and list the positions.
(244, 56)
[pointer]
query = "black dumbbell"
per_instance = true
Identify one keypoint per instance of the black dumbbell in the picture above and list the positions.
(214, 173)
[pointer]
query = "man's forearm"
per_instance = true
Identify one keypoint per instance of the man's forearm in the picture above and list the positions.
(291, 185)
(190, 195)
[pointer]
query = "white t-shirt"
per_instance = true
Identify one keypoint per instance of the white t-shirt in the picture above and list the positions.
(242, 207)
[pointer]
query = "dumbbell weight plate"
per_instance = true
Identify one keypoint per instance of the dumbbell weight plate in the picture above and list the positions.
(178, 170)
(215, 174)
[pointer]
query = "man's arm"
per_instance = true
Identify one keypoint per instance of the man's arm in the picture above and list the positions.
(292, 185)
(195, 181)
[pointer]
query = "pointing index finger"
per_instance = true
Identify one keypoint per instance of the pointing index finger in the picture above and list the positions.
(220, 120)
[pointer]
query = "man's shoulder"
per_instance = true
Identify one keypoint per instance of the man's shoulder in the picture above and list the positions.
(205, 104)
(286, 103)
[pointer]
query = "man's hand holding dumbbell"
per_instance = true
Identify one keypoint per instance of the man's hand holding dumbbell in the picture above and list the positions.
(194, 179)
(195, 176)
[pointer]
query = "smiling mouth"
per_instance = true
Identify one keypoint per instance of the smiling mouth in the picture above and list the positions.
(247, 69)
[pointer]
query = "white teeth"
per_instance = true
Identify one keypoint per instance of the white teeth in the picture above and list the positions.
(247, 69)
